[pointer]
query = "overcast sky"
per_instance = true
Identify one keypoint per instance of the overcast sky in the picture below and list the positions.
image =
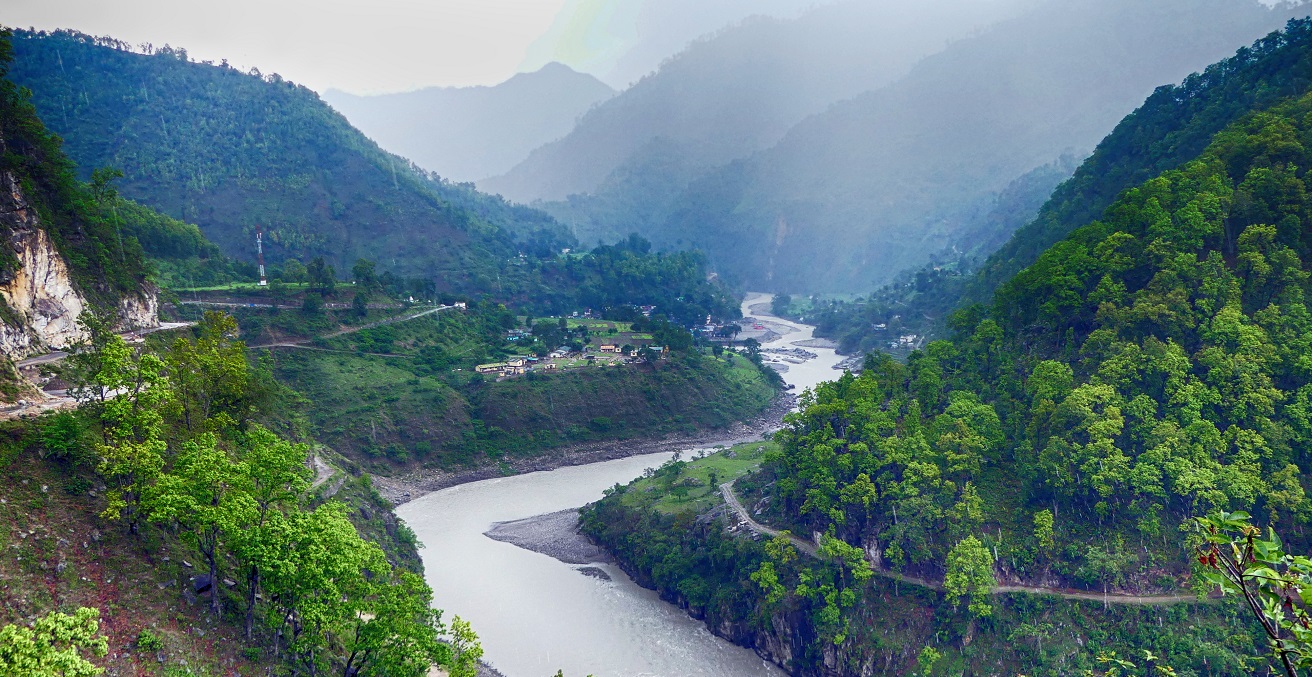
(375, 46)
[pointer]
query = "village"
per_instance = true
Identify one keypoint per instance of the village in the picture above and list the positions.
(584, 341)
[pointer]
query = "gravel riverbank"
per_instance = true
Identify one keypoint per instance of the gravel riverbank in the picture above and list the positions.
(554, 534)
(405, 488)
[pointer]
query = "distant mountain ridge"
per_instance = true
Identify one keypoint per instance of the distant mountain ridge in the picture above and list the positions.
(471, 133)
(230, 151)
(883, 177)
(738, 91)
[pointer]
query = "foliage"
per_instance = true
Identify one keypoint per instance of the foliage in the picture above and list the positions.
(53, 646)
(81, 220)
(1274, 584)
(970, 574)
(184, 452)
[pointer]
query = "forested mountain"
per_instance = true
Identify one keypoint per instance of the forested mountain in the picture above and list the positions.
(1149, 367)
(234, 151)
(471, 133)
(730, 94)
(1173, 126)
(873, 185)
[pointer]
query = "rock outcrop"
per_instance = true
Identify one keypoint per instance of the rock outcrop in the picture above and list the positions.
(42, 302)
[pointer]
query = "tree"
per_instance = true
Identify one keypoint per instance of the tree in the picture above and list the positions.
(1275, 585)
(275, 482)
(970, 574)
(397, 632)
(209, 375)
(201, 496)
(321, 276)
(132, 454)
(294, 271)
(360, 303)
(53, 645)
(364, 275)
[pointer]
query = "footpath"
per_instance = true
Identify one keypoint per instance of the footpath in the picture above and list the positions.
(731, 499)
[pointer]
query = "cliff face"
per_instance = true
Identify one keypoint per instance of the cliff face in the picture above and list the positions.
(43, 303)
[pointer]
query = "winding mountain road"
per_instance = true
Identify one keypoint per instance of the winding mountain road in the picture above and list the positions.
(731, 499)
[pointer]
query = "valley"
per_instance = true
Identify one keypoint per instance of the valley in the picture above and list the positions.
(845, 339)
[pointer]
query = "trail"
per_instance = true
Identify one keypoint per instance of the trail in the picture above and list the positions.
(731, 499)
(300, 343)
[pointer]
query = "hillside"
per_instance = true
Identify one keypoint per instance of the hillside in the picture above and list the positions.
(232, 151)
(470, 133)
(874, 185)
(1149, 367)
(1173, 126)
(728, 95)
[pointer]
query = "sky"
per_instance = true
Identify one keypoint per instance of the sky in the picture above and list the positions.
(379, 46)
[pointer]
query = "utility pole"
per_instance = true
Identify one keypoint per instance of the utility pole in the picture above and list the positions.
(259, 252)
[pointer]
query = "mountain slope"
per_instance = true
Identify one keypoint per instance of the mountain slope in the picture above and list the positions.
(233, 151)
(739, 90)
(470, 133)
(1172, 127)
(1152, 366)
(871, 186)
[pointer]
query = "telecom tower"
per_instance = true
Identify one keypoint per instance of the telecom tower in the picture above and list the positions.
(259, 251)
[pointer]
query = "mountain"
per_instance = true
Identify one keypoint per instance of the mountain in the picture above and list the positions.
(631, 38)
(1044, 467)
(470, 133)
(69, 247)
(233, 151)
(740, 90)
(875, 184)
(1173, 126)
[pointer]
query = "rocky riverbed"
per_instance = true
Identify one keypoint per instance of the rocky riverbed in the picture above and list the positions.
(554, 534)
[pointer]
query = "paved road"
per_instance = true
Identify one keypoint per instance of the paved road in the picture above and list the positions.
(731, 499)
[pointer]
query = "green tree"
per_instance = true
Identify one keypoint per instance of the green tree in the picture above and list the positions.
(321, 276)
(970, 574)
(53, 646)
(201, 496)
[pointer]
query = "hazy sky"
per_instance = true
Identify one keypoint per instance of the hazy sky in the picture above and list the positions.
(373, 46)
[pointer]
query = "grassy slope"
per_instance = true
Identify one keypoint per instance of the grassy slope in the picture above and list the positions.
(373, 408)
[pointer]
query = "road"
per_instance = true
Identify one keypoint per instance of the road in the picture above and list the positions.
(731, 499)
(300, 343)
(59, 399)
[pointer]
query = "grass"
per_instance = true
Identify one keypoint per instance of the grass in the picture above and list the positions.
(693, 486)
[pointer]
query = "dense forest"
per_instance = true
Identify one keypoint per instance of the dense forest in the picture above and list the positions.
(1149, 368)
(1172, 127)
(232, 151)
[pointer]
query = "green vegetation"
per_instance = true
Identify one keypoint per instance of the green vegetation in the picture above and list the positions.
(81, 219)
(53, 645)
(1171, 128)
(427, 405)
(231, 151)
(185, 461)
(1149, 368)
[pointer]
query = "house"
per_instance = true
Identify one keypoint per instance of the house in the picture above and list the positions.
(490, 368)
(610, 348)
(462, 305)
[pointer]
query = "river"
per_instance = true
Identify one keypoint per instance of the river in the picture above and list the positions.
(534, 614)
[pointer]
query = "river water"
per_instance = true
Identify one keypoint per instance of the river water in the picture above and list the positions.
(534, 614)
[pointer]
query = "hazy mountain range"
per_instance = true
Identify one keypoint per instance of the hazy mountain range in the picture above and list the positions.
(831, 151)
(470, 133)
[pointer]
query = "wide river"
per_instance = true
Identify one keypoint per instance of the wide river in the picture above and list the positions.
(536, 615)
